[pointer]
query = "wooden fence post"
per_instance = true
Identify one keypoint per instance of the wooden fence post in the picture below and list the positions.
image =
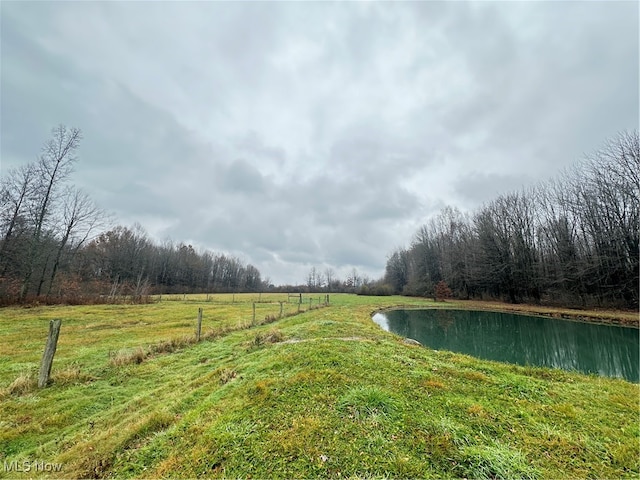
(199, 329)
(280, 309)
(253, 321)
(49, 352)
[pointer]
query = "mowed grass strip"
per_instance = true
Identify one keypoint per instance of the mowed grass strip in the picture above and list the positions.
(324, 393)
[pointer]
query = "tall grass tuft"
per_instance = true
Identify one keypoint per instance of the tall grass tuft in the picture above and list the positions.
(70, 375)
(25, 383)
(170, 346)
(127, 357)
(272, 336)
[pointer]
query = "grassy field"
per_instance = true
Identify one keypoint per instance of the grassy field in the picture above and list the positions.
(325, 393)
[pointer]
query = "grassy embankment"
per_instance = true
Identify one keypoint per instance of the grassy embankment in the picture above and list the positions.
(324, 393)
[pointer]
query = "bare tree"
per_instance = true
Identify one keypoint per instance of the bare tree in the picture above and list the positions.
(53, 167)
(329, 275)
(312, 279)
(15, 192)
(80, 216)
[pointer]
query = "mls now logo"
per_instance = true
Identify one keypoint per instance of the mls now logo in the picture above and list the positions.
(32, 466)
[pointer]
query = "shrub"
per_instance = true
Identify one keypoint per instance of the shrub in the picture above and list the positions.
(442, 290)
(377, 289)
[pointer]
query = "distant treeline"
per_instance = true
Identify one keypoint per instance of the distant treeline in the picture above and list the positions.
(126, 256)
(50, 249)
(571, 241)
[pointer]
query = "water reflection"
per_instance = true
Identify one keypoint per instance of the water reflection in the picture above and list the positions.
(606, 350)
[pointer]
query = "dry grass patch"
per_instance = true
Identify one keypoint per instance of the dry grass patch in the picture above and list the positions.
(70, 375)
(170, 346)
(433, 385)
(127, 357)
(272, 336)
(25, 383)
(477, 411)
(226, 375)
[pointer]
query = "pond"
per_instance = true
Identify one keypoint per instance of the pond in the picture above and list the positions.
(611, 351)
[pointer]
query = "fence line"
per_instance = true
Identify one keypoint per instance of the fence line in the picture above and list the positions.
(233, 298)
(269, 307)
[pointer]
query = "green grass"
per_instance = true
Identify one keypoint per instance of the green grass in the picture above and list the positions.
(322, 394)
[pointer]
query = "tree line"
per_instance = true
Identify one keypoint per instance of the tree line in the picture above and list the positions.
(572, 240)
(54, 247)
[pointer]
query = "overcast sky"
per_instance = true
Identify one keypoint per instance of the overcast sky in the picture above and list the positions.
(313, 134)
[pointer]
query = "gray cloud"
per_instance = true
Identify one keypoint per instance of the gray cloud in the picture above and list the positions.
(300, 134)
(478, 189)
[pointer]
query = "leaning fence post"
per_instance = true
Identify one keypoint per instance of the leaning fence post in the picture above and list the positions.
(253, 321)
(199, 329)
(49, 352)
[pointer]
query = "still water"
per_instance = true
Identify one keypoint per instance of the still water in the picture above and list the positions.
(601, 349)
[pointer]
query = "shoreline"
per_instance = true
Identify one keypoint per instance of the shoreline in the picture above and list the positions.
(620, 318)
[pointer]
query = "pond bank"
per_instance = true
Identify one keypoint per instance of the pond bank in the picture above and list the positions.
(625, 318)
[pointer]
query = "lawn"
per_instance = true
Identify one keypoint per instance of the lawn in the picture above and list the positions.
(323, 393)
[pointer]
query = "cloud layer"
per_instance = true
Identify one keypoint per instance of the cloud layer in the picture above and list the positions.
(300, 134)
